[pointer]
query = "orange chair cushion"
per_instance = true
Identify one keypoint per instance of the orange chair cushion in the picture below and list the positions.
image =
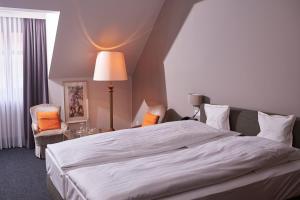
(150, 119)
(48, 121)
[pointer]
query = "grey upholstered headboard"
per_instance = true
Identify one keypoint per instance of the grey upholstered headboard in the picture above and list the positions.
(246, 122)
(241, 120)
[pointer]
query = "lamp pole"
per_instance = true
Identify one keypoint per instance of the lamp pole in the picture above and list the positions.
(111, 90)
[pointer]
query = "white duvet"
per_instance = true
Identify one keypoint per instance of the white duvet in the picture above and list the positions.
(166, 174)
(129, 143)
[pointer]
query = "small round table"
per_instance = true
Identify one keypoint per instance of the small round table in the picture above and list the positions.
(73, 134)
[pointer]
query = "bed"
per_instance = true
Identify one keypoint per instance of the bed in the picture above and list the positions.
(270, 178)
(169, 174)
(122, 145)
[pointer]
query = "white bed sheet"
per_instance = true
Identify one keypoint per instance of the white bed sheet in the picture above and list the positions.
(165, 174)
(129, 143)
(276, 183)
(57, 174)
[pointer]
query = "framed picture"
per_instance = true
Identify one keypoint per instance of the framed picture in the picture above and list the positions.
(76, 101)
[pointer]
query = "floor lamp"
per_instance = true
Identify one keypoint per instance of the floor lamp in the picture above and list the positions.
(110, 66)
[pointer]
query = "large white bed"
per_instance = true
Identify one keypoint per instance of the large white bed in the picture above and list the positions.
(124, 144)
(73, 164)
(219, 164)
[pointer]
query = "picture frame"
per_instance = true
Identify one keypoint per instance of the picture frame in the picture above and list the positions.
(76, 101)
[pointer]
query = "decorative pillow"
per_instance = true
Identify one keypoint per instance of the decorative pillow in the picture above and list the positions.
(276, 127)
(217, 116)
(150, 119)
(48, 121)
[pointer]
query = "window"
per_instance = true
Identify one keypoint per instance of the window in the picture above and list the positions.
(14, 111)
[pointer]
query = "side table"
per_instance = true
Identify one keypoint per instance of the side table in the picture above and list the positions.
(73, 134)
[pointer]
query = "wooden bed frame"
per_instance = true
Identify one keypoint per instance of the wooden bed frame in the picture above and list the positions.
(241, 120)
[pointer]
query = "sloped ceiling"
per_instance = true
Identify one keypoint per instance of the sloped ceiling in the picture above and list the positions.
(86, 27)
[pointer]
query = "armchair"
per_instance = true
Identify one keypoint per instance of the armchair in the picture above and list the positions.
(159, 110)
(43, 138)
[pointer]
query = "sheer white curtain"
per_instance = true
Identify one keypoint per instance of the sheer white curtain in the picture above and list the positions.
(11, 83)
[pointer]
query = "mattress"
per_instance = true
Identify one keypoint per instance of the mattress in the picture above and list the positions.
(278, 182)
(55, 173)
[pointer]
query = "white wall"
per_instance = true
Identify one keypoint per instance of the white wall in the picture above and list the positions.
(241, 53)
(84, 28)
(52, 19)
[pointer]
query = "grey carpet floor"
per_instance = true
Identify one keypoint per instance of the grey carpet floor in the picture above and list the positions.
(22, 175)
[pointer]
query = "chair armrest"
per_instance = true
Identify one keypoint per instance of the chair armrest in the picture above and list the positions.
(34, 128)
(64, 126)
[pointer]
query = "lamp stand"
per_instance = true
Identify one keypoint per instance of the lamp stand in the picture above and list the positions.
(111, 90)
(196, 112)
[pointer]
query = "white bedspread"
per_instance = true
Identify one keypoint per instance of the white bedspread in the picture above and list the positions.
(129, 143)
(167, 174)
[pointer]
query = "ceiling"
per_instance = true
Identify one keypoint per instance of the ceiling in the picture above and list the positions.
(86, 27)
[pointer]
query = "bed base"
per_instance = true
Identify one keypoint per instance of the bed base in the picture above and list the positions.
(53, 193)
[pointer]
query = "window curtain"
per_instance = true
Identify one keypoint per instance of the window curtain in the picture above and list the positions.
(35, 71)
(11, 83)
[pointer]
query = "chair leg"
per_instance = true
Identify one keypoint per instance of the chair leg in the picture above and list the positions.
(43, 149)
(40, 151)
(37, 150)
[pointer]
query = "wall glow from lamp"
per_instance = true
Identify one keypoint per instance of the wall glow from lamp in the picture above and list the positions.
(137, 34)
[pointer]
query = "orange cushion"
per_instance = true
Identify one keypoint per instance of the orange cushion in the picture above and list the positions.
(48, 121)
(150, 119)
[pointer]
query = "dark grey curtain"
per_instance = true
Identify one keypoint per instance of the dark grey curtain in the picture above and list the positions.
(35, 71)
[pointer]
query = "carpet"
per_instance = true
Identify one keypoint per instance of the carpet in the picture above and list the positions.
(22, 175)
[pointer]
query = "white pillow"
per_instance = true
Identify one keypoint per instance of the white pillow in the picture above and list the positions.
(276, 127)
(217, 116)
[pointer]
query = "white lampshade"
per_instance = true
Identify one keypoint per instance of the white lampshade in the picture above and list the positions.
(110, 66)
